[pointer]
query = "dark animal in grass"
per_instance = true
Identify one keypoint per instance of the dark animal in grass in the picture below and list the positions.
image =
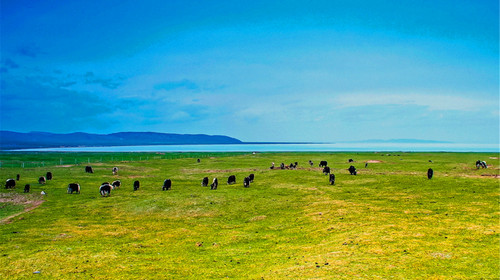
(88, 169)
(311, 163)
(105, 190)
(204, 182)
(231, 180)
(366, 164)
(351, 160)
(198, 160)
(167, 185)
(246, 182)
(115, 170)
(251, 177)
(326, 170)
(323, 163)
(48, 175)
(116, 184)
(10, 183)
(42, 180)
(282, 165)
(481, 164)
(430, 173)
(136, 185)
(18, 177)
(272, 166)
(74, 187)
(291, 166)
(27, 188)
(214, 184)
(352, 170)
(332, 179)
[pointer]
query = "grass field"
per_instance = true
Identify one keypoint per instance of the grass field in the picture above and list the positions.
(389, 221)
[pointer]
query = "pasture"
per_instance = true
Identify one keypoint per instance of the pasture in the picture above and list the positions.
(388, 221)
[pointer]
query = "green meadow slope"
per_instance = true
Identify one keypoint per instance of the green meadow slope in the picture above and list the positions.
(388, 221)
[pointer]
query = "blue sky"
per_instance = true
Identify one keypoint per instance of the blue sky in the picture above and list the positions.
(322, 71)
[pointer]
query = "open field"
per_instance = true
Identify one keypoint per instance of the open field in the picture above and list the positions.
(389, 221)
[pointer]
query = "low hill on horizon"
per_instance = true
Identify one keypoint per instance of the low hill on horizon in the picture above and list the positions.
(10, 140)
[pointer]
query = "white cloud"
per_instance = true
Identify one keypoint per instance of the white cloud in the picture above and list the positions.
(431, 101)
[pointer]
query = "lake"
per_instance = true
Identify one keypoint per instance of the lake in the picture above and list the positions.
(335, 147)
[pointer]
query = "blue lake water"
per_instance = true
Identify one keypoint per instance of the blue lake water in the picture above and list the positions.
(336, 147)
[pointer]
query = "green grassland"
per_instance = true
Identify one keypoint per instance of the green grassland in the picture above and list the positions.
(389, 221)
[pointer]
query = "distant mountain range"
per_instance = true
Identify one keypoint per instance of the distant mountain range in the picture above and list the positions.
(10, 140)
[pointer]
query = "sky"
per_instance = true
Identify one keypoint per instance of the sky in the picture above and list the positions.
(307, 71)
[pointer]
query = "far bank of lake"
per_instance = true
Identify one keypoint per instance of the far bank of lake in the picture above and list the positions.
(335, 147)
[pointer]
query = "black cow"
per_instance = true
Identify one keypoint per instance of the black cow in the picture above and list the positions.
(282, 165)
(42, 180)
(27, 188)
(88, 169)
(251, 177)
(204, 182)
(430, 173)
(115, 170)
(292, 166)
(326, 170)
(167, 185)
(351, 160)
(246, 182)
(214, 184)
(74, 187)
(136, 185)
(481, 164)
(352, 170)
(231, 180)
(332, 179)
(49, 175)
(323, 163)
(105, 190)
(311, 163)
(10, 184)
(18, 177)
(198, 160)
(116, 184)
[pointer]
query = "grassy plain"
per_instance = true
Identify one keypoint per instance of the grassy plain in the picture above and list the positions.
(389, 221)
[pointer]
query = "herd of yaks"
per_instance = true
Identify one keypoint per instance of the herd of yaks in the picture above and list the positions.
(106, 187)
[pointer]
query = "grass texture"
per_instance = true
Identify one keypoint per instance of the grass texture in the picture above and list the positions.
(389, 221)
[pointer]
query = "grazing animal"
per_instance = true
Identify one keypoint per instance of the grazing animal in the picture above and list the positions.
(43, 193)
(366, 164)
(10, 184)
(323, 163)
(49, 175)
(105, 190)
(251, 177)
(214, 184)
(231, 180)
(332, 179)
(74, 187)
(27, 188)
(351, 160)
(116, 184)
(282, 165)
(272, 166)
(352, 170)
(246, 182)
(311, 163)
(481, 164)
(88, 169)
(18, 177)
(136, 185)
(430, 173)
(326, 170)
(115, 170)
(198, 160)
(42, 180)
(204, 182)
(167, 185)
